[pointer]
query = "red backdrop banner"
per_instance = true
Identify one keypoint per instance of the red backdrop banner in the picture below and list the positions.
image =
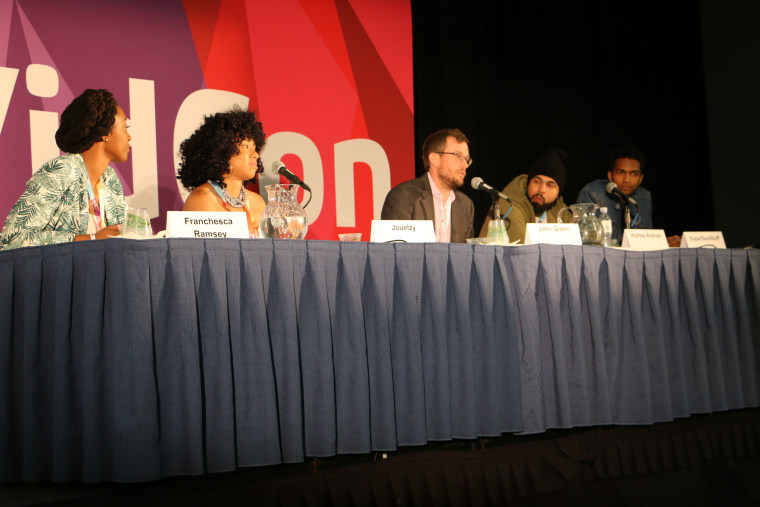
(331, 81)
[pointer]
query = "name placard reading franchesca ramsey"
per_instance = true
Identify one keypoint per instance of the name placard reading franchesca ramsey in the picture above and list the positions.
(206, 224)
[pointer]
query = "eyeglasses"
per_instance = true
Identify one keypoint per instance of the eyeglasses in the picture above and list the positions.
(459, 156)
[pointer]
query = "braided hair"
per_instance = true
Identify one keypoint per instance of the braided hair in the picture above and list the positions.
(86, 121)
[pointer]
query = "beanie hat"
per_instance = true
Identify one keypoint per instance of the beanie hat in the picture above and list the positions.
(550, 164)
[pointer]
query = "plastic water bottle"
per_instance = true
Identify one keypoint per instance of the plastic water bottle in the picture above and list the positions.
(606, 222)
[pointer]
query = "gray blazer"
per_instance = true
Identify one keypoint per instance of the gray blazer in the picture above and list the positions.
(413, 200)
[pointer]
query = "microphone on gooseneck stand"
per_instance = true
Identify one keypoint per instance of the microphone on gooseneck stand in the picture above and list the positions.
(478, 184)
(279, 168)
(612, 188)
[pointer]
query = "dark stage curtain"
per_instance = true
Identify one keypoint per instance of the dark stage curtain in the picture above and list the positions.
(522, 77)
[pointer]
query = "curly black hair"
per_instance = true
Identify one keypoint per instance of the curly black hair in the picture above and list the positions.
(206, 154)
(86, 121)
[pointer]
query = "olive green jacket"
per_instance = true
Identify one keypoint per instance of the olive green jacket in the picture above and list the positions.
(522, 210)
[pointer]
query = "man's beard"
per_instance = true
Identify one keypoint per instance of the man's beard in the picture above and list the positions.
(539, 209)
(451, 182)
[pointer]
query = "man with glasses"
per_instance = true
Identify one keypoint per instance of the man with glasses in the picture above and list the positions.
(536, 196)
(434, 195)
(626, 170)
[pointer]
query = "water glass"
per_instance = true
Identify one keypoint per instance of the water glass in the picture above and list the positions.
(497, 233)
(137, 223)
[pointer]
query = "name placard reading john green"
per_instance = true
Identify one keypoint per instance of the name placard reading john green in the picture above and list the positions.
(555, 234)
(206, 224)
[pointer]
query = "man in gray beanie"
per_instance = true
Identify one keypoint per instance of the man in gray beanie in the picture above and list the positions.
(535, 196)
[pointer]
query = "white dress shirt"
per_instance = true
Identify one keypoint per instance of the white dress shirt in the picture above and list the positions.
(442, 213)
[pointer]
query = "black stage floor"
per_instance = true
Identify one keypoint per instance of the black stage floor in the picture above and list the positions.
(703, 460)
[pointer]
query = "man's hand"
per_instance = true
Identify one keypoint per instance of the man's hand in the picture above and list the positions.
(674, 241)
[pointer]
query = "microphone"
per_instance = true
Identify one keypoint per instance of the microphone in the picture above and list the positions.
(612, 188)
(279, 168)
(478, 184)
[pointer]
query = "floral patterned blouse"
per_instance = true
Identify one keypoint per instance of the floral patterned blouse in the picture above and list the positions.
(55, 205)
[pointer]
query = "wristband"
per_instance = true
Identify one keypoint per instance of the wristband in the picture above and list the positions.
(92, 237)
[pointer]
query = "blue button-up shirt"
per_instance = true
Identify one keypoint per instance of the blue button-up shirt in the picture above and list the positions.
(641, 214)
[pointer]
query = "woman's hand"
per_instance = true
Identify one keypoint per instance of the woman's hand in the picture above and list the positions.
(105, 232)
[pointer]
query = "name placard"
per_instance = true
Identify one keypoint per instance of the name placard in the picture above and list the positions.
(407, 231)
(555, 234)
(702, 239)
(206, 224)
(645, 239)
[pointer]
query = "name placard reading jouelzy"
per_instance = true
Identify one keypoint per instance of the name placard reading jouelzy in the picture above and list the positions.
(405, 231)
(206, 224)
(645, 239)
(555, 234)
(702, 239)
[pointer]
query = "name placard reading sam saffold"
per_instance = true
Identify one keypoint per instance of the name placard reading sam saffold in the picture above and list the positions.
(702, 239)
(206, 224)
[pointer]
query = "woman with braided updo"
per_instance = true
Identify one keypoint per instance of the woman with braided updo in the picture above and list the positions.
(77, 196)
(218, 160)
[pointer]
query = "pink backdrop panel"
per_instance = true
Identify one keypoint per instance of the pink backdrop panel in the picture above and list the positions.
(326, 77)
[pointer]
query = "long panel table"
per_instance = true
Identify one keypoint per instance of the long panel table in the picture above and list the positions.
(126, 360)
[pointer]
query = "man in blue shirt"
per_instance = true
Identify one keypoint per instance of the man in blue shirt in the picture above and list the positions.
(626, 170)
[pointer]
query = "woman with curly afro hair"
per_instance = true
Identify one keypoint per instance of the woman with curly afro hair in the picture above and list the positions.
(218, 160)
(77, 196)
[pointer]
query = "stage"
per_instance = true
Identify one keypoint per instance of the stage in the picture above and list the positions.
(129, 361)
